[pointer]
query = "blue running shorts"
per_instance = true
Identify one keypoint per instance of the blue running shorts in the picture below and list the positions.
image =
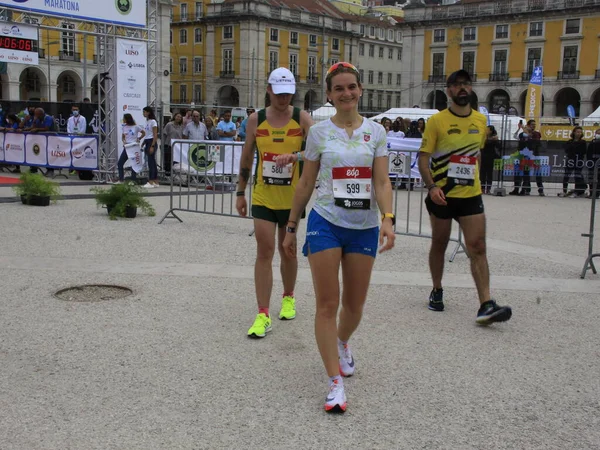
(323, 235)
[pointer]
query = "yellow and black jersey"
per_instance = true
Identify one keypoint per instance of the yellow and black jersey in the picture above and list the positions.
(448, 136)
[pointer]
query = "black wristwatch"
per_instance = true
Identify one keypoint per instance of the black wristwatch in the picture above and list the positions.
(290, 229)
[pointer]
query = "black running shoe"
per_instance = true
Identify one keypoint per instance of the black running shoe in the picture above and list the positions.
(490, 312)
(436, 300)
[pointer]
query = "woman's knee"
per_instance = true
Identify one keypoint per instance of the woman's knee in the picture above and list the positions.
(476, 246)
(327, 308)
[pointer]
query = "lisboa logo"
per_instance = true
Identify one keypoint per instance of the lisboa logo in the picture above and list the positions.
(198, 158)
(124, 6)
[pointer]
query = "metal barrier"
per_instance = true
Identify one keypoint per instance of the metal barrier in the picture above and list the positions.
(403, 172)
(595, 192)
(206, 173)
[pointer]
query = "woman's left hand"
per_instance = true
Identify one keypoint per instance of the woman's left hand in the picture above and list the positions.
(284, 160)
(386, 231)
(151, 150)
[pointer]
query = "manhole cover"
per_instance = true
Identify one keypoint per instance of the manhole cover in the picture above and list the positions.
(93, 293)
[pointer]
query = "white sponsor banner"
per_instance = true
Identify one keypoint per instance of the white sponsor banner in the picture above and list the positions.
(36, 149)
(210, 159)
(136, 157)
(59, 151)
(1, 146)
(126, 12)
(411, 147)
(14, 148)
(84, 152)
(18, 44)
(132, 81)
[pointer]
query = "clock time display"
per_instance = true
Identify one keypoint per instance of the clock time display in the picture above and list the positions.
(17, 44)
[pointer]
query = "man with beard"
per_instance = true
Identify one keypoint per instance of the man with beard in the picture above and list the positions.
(449, 165)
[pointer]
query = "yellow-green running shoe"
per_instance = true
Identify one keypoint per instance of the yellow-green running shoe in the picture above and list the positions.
(288, 308)
(261, 326)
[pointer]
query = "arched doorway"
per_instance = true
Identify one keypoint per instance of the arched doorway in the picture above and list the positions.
(310, 101)
(228, 96)
(564, 98)
(474, 101)
(596, 100)
(498, 101)
(523, 99)
(68, 87)
(437, 100)
(33, 84)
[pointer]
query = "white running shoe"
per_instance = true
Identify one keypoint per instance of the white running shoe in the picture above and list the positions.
(148, 186)
(336, 398)
(346, 360)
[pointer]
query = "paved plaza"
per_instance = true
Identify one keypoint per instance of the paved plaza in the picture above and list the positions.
(170, 367)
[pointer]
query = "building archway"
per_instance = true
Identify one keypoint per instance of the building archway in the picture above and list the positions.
(474, 101)
(68, 87)
(228, 96)
(498, 101)
(33, 84)
(310, 100)
(564, 98)
(437, 100)
(596, 99)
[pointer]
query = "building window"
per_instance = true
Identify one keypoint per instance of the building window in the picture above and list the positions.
(398, 98)
(335, 44)
(371, 51)
(334, 61)
(380, 78)
(439, 35)
(572, 26)
(228, 60)
(399, 54)
(182, 65)
(500, 57)
(501, 31)
(398, 36)
(274, 35)
(372, 31)
(390, 35)
(398, 79)
(171, 37)
(197, 94)
(361, 75)
(379, 100)
(361, 49)
(362, 30)
(68, 39)
(438, 64)
(197, 64)
(389, 101)
(370, 101)
(183, 36)
(199, 10)
(171, 65)
(312, 68)
(294, 38)
(390, 53)
(171, 93)
(381, 33)
(468, 62)
(470, 34)
(183, 93)
(389, 79)
(183, 11)
(534, 57)
(381, 50)
(68, 85)
(536, 29)
(294, 64)
(273, 61)
(371, 74)
(570, 59)
(227, 32)
(197, 35)
(312, 40)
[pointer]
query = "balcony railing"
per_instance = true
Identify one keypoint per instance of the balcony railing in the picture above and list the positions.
(437, 78)
(526, 76)
(98, 59)
(597, 74)
(42, 52)
(498, 76)
(227, 74)
(312, 79)
(69, 56)
(570, 75)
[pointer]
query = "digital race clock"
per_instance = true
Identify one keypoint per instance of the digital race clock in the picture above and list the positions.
(17, 43)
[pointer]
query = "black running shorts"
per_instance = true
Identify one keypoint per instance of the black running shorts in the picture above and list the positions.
(456, 207)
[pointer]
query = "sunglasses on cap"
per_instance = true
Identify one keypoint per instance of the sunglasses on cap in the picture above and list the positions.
(340, 65)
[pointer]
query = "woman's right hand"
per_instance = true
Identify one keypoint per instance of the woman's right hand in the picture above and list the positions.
(241, 205)
(289, 244)
(437, 196)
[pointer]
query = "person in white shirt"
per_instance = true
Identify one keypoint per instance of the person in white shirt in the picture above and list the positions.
(150, 146)
(195, 130)
(396, 131)
(76, 123)
(131, 132)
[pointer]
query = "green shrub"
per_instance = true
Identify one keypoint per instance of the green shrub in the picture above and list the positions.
(121, 196)
(35, 184)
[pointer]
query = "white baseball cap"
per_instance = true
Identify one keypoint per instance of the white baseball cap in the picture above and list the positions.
(282, 81)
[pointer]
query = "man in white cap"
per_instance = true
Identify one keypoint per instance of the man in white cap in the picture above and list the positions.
(278, 132)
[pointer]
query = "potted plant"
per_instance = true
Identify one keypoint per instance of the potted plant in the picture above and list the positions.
(37, 190)
(123, 200)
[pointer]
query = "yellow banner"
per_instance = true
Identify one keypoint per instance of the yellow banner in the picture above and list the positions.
(533, 103)
(563, 132)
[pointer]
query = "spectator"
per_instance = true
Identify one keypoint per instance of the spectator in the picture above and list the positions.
(575, 150)
(400, 120)
(76, 123)
(396, 132)
(172, 130)
(242, 130)
(413, 131)
(211, 130)
(27, 121)
(2, 117)
(12, 123)
(214, 116)
(488, 155)
(226, 128)
(534, 143)
(131, 133)
(387, 124)
(86, 100)
(150, 146)
(187, 117)
(195, 130)
(42, 122)
(593, 155)
(406, 125)
(421, 125)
